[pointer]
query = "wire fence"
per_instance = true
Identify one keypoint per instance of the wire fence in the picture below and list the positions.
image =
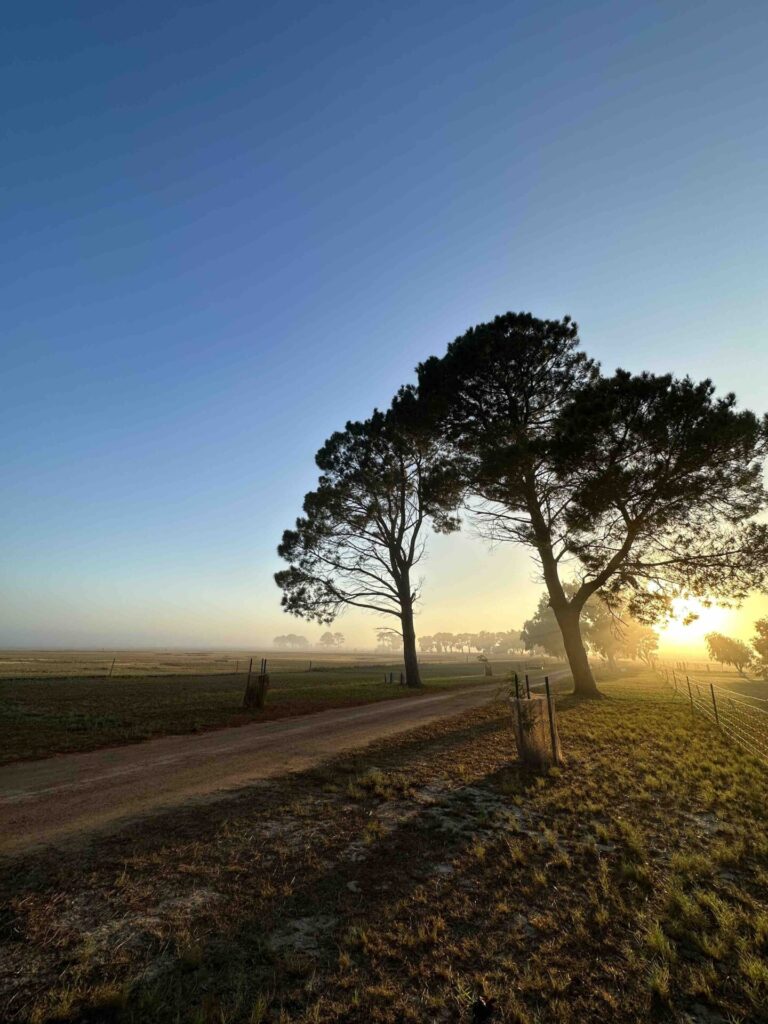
(741, 717)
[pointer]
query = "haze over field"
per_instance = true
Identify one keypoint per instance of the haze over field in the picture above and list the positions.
(230, 234)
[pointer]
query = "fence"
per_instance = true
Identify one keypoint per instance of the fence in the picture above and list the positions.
(740, 717)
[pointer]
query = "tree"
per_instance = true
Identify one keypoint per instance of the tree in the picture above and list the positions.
(640, 642)
(290, 640)
(645, 486)
(601, 629)
(610, 631)
(389, 639)
(426, 644)
(363, 528)
(728, 651)
(444, 641)
(508, 642)
(607, 631)
(542, 631)
(760, 645)
(329, 639)
(463, 641)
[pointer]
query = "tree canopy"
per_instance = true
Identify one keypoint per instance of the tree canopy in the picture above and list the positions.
(728, 651)
(760, 645)
(364, 527)
(291, 640)
(641, 487)
(329, 639)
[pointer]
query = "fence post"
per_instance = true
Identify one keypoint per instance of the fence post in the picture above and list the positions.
(690, 692)
(714, 705)
(551, 722)
(527, 686)
(517, 688)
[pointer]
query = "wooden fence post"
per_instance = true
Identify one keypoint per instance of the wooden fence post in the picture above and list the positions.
(714, 705)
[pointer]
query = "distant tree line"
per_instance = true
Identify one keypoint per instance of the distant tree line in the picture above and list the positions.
(632, 489)
(293, 641)
(484, 642)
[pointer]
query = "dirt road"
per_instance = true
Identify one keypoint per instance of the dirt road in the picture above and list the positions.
(75, 794)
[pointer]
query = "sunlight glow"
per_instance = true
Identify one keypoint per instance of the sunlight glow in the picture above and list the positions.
(677, 634)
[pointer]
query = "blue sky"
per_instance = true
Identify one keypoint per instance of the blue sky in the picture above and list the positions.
(229, 227)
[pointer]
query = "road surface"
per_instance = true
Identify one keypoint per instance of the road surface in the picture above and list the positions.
(71, 796)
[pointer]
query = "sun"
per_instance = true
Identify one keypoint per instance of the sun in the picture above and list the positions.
(708, 620)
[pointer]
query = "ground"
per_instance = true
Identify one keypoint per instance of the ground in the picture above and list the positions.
(399, 884)
(45, 715)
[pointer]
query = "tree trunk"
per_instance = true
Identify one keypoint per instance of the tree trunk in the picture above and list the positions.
(412, 676)
(583, 681)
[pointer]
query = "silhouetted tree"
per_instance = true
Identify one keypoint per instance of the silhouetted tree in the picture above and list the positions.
(646, 482)
(542, 632)
(363, 528)
(728, 651)
(291, 640)
(329, 639)
(389, 639)
(444, 641)
(760, 645)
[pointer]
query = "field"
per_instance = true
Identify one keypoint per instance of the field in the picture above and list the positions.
(53, 713)
(402, 883)
(731, 680)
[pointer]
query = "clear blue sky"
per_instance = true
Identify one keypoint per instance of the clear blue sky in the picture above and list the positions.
(228, 227)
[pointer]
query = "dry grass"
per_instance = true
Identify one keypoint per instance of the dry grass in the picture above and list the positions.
(399, 884)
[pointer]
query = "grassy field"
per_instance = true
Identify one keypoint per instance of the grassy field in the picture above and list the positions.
(26, 664)
(730, 680)
(39, 717)
(400, 884)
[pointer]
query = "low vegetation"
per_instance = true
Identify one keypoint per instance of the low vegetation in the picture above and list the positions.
(402, 883)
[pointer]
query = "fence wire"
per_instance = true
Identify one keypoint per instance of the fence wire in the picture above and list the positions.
(740, 717)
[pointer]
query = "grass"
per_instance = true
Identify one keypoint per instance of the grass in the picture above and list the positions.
(40, 717)
(399, 884)
(29, 664)
(751, 686)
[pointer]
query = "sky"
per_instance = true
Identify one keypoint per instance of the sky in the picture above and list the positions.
(229, 227)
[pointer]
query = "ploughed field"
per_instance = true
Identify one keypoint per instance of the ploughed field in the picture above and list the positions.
(50, 713)
(400, 883)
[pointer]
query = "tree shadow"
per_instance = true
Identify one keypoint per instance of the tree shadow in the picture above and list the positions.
(362, 878)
